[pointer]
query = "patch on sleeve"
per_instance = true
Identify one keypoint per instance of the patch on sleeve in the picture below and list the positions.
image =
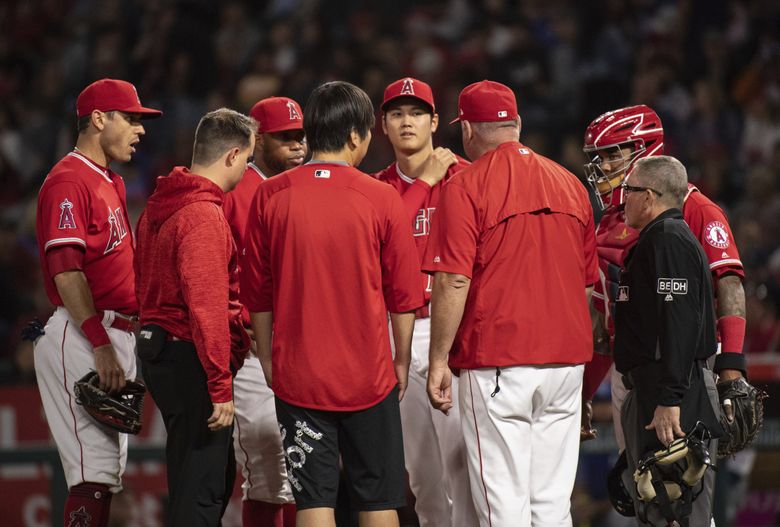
(716, 235)
(67, 221)
(672, 286)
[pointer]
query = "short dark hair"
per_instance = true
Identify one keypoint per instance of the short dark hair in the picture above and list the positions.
(218, 132)
(332, 112)
(400, 101)
(83, 122)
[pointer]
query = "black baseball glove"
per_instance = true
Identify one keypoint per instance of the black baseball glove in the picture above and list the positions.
(742, 414)
(121, 411)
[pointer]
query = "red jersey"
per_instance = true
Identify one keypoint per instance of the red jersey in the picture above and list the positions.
(420, 201)
(236, 206)
(330, 251)
(521, 227)
(188, 274)
(238, 201)
(83, 204)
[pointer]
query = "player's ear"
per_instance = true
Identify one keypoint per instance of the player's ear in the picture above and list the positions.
(98, 120)
(232, 156)
(384, 123)
(434, 122)
(354, 140)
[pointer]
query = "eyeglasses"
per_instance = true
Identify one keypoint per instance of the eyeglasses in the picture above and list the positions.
(630, 188)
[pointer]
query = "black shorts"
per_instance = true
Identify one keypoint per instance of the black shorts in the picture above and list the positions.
(371, 448)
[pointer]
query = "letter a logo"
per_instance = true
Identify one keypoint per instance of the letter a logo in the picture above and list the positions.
(408, 87)
(294, 114)
(67, 221)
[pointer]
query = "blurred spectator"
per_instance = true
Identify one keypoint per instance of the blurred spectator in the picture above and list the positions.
(711, 70)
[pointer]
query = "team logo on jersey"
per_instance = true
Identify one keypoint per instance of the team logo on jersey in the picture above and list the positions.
(116, 229)
(322, 174)
(622, 294)
(717, 235)
(422, 222)
(408, 87)
(80, 518)
(67, 221)
(294, 114)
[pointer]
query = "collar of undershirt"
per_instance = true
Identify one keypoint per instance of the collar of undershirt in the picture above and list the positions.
(320, 162)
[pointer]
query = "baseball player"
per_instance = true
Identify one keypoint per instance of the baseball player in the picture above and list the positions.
(513, 250)
(279, 146)
(433, 443)
(329, 251)
(86, 249)
(614, 141)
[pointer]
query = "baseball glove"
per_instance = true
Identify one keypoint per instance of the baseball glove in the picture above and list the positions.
(747, 415)
(121, 411)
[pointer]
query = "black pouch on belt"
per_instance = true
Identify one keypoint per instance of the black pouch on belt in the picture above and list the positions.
(151, 341)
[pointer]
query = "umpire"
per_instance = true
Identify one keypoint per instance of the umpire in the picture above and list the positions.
(665, 329)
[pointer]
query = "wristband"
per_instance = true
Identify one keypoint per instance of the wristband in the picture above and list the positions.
(732, 333)
(95, 332)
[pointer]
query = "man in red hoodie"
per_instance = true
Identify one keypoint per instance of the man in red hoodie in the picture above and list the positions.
(192, 340)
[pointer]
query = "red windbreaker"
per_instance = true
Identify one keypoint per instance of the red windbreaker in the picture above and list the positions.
(187, 274)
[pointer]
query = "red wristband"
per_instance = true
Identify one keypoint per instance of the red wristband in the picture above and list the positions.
(732, 333)
(95, 332)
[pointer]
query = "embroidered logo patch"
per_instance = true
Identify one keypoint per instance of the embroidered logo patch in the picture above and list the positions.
(622, 294)
(716, 235)
(67, 221)
(322, 174)
(672, 286)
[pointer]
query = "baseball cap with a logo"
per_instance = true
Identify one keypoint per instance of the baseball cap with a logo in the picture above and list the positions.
(276, 114)
(409, 87)
(486, 101)
(109, 95)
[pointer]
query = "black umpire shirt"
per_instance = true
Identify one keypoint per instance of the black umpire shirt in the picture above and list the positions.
(665, 318)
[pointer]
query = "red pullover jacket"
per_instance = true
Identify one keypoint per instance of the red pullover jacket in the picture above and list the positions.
(187, 274)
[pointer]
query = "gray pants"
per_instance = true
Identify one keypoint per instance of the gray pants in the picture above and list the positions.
(633, 427)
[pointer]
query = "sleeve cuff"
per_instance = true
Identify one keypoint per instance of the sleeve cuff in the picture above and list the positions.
(731, 361)
(669, 398)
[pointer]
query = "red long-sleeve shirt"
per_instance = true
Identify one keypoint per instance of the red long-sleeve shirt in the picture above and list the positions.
(187, 274)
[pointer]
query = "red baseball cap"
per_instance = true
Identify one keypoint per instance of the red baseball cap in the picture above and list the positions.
(276, 114)
(486, 101)
(108, 95)
(409, 87)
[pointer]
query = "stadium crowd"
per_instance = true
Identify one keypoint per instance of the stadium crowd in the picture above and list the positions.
(710, 69)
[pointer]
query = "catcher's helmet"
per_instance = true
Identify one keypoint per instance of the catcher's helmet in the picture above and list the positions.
(121, 411)
(671, 478)
(616, 489)
(637, 127)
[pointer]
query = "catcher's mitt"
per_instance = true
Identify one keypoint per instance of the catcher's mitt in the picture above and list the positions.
(747, 404)
(121, 411)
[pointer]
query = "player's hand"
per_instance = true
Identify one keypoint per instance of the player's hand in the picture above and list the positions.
(587, 431)
(222, 417)
(440, 387)
(666, 423)
(437, 164)
(600, 334)
(402, 375)
(726, 376)
(110, 372)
